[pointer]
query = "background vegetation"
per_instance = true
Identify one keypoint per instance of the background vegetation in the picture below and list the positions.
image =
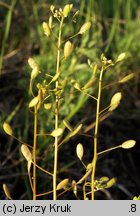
(115, 29)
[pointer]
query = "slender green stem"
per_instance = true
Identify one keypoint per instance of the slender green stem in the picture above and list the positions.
(73, 36)
(96, 135)
(104, 110)
(111, 84)
(84, 191)
(88, 94)
(57, 114)
(34, 153)
(42, 169)
(110, 149)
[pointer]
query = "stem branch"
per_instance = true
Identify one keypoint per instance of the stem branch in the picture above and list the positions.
(96, 135)
(57, 113)
(34, 153)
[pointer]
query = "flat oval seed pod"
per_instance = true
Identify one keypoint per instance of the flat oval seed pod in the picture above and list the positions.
(89, 166)
(66, 123)
(79, 151)
(67, 9)
(74, 187)
(50, 21)
(35, 72)
(121, 57)
(6, 191)
(128, 144)
(26, 152)
(85, 27)
(46, 29)
(55, 78)
(57, 132)
(33, 102)
(32, 63)
(62, 184)
(75, 131)
(110, 183)
(77, 86)
(127, 78)
(104, 179)
(68, 48)
(136, 198)
(115, 100)
(7, 128)
(48, 106)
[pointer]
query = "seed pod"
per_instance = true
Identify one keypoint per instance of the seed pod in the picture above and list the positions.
(79, 151)
(62, 184)
(34, 102)
(67, 9)
(32, 63)
(68, 48)
(35, 72)
(74, 187)
(127, 78)
(55, 78)
(52, 8)
(104, 179)
(115, 101)
(136, 198)
(48, 106)
(50, 21)
(26, 152)
(110, 183)
(128, 144)
(77, 86)
(121, 57)
(57, 132)
(76, 130)
(6, 191)
(89, 83)
(89, 166)
(66, 123)
(85, 27)
(7, 128)
(46, 29)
